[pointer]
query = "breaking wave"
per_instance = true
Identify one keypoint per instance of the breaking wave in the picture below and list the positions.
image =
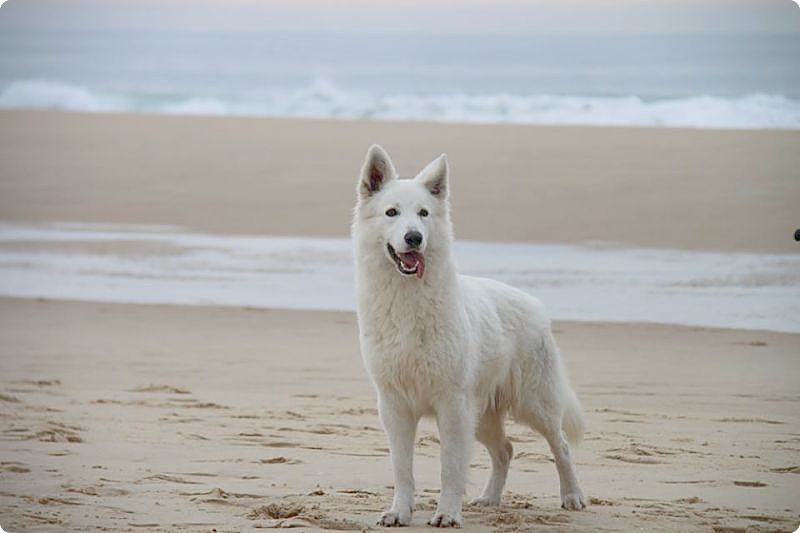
(322, 99)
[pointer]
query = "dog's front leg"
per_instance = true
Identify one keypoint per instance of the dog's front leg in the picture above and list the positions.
(456, 422)
(401, 427)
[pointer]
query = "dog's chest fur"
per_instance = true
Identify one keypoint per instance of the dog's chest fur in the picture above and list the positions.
(409, 335)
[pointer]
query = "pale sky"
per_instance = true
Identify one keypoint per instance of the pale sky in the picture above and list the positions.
(441, 16)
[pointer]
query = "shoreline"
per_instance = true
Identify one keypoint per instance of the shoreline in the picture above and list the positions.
(389, 121)
(579, 283)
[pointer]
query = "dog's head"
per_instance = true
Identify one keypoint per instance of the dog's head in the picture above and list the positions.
(408, 218)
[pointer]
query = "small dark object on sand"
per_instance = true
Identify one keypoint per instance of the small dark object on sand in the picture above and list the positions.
(797, 234)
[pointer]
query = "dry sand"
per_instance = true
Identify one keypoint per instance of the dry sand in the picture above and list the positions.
(167, 418)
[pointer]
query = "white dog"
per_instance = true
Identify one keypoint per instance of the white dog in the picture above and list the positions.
(464, 350)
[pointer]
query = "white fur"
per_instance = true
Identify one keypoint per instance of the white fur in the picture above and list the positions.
(464, 350)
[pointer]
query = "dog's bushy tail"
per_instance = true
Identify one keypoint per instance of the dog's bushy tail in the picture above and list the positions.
(573, 423)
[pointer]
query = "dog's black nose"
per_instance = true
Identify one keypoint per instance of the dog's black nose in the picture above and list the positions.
(413, 239)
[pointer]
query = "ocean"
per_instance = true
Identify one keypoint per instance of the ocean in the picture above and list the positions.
(745, 81)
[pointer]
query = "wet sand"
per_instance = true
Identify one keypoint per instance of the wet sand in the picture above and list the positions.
(645, 187)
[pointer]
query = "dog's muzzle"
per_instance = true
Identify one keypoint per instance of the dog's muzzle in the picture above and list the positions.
(408, 263)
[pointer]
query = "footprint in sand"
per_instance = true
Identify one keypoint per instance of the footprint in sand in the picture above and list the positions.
(427, 440)
(749, 420)
(40, 382)
(220, 496)
(601, 501)
(786, 470)
(284, 415)
(57, 501)
(689, 482)
(169, 479)
(646, 453)
(359, 493)
(752, 343)
(637, 453)
(281, 444)
(624, 412)
(170, 389)
(14, 467)
(296, 515)
(98, 490)
(319, 430)
(191, 402)
(280, 460)
(58, 435)
(359, 411)
(41, 386)
(755, 484)
(276, 510)
(50, 431)
(690, 500)
(534, 457)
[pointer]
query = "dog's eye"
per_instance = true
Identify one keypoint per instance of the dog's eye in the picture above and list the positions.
(391, 212)
(423, 212)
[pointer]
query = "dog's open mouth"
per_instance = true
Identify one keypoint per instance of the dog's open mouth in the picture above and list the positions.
(408, 263)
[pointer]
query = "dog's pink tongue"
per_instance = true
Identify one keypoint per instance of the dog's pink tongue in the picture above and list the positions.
(412, 259)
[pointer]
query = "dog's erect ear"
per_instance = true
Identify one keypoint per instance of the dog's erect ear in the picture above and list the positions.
(377, 171)
(435, 177)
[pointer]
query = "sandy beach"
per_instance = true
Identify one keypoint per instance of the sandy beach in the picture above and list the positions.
(129, 417)
(184, 418)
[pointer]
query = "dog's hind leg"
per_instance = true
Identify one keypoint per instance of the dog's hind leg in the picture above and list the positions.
(550, 407)
(544, 414)
(572, 497)
(491, 433)
(401, 427)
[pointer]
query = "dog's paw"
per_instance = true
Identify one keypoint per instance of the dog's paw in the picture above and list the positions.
(573, 501)
(394, 519)
(444, 520)
(485, 501)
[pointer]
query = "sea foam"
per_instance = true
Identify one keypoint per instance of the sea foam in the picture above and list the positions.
(322, 99)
